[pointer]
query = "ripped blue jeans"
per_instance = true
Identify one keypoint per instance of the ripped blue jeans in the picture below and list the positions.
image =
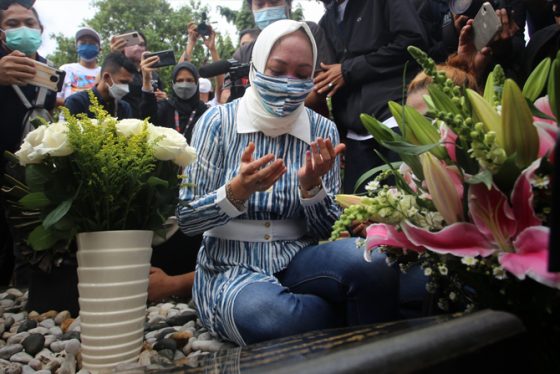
(324, 286)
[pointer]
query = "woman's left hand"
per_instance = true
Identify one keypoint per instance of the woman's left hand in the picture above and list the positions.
(318, 161)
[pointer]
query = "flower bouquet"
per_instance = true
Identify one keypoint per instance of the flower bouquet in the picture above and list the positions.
(110, 184)
(472, 196)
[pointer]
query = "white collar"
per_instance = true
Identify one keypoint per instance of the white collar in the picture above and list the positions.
(248, 120)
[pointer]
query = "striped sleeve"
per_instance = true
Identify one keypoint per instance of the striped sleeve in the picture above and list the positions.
(322, 211)
(201, 205)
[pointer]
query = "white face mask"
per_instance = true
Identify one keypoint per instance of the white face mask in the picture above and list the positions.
(118, 90)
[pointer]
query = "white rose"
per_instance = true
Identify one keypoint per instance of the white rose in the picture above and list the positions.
(55, 140)
(186, 156)
(168, 144)
(28, 154)
(129, 127)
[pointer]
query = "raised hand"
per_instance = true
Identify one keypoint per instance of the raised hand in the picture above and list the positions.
(256, 175)
(318, 161)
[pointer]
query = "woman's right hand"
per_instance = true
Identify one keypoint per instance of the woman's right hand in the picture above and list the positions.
(256, 175)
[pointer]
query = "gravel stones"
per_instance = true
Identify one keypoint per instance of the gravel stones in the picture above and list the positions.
(33, 344)
(50, 342)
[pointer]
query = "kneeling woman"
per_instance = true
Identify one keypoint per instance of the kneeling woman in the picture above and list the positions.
(263, 195)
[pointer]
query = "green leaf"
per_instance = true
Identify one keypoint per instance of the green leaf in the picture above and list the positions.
(370, 173)
(441, 101)
(537, 80)
(406, 148)
(36, 175)
(484, 176)
(554, 88)
(378, 130)
(35, 200)
(537, 113)
(157, 182)
(57, 213)
(41, 239)
(520, 134)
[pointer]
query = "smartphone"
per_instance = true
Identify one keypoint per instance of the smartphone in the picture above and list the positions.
(166, 58)
(48, 77)
(486, 26)
(131, 38)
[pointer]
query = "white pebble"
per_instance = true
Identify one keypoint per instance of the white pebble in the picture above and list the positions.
(21, 357)
(72, 346)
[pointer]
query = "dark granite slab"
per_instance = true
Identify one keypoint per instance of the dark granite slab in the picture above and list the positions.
(398, 347)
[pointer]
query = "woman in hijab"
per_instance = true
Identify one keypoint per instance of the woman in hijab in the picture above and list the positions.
(183, 109)
(265, 180)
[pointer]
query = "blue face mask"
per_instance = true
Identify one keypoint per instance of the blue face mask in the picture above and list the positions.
(281, 96)
(23, 39)
(266, 16)
(88, 52)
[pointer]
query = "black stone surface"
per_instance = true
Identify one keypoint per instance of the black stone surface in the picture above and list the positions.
(419, 345)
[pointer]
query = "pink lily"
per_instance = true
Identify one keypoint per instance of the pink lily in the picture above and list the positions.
(380, 234)
(445, 187)
(531, 257)
(514, 234)
(547, 129)
(449, 139)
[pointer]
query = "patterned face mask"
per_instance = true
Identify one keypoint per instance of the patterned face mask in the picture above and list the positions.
(281, 96)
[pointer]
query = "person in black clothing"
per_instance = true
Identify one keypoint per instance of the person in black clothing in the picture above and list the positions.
(116, 74)
(134, 53)
(369, 38)
(183, 109)
(173, 262)
(19, 40)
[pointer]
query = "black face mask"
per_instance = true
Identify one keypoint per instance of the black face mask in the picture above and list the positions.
(5, 4)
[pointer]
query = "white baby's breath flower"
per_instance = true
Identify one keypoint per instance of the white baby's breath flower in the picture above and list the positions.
(27, 153)
(443, 269)
(130, 126)
(55, 140)
(499, 273)
(540, 182)
(428, 272)
(452, 296)
(469, 261)
(372, 186)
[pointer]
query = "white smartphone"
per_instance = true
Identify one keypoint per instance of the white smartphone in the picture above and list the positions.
(131, 38)
(48, 77)
(486, 26)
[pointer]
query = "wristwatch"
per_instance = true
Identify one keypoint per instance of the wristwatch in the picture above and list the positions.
(313, 191)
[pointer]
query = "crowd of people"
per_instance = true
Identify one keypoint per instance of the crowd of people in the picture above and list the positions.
(270, 150)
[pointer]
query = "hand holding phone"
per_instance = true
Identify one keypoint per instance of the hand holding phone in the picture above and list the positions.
(166, 58)
(131, 38)
(48, 77)
(486, 26)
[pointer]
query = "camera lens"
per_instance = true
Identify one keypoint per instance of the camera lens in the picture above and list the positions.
(54, 78)
(135, 35)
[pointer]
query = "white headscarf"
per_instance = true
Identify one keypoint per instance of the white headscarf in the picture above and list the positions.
(252, 115)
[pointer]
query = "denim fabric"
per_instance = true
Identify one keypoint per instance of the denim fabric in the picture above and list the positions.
(325, 286)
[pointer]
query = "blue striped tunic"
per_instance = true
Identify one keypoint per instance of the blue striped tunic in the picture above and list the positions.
(224, 267)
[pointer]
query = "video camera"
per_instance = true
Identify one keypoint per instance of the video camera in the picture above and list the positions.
(470, 8)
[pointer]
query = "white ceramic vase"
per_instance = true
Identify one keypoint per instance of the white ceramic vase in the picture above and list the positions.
(113, 269)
